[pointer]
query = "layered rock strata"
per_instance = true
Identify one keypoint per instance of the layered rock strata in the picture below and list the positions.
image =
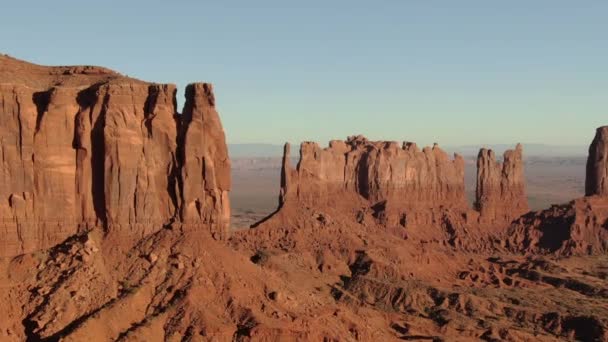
(85, 146)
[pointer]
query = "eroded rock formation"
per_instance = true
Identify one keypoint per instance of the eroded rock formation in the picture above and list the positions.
(597, 164)
(85, 146)
(120, 159)
(376, 171)
(404, 184)
(575, 228)
(501, 189)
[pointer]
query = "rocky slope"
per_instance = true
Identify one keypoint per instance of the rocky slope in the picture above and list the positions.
(437, 268)
(576, 228)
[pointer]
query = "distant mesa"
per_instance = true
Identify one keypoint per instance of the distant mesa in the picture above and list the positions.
(403, 181)
(376, 171)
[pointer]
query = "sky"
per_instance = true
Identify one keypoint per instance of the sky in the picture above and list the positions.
(453, 72)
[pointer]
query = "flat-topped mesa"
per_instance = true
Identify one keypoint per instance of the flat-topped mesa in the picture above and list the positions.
(596, 180)
(501, 190)
(85, 146)
(375, 171)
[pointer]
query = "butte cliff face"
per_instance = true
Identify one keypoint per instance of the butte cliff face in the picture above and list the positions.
(404, 182)
(85, 146)
(501, 189)
(376, 171)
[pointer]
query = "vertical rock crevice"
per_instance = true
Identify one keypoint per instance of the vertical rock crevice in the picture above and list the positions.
(286, 175)
(41, 99)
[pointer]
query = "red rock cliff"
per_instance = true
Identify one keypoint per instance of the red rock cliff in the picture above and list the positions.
(501, 190)
(85, 146)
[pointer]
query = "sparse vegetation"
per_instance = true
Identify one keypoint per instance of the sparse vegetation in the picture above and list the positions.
(261, 257)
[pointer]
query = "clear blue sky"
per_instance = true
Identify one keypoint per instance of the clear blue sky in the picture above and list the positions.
(456, 72)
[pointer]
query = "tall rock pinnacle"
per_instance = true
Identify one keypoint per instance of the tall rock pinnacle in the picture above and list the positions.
(501, 190)
(596, 181)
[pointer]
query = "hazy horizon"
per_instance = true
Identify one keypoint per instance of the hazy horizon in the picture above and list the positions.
(263, 150)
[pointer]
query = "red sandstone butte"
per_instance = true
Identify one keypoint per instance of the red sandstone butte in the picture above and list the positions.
(397, 184)
(376, 171)
(85, 146)
(404, 180)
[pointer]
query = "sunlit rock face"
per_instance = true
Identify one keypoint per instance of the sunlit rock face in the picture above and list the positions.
(501, 188)
(85, 146)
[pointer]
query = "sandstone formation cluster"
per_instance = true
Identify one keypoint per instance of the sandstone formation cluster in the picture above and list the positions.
(404, 176)
(576, 228)
(85, 146)
(115, 216)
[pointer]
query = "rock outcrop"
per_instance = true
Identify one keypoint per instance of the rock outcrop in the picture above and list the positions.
(204, 163)
(576, 228)
(85, 146)
(402, 184)
(501, 189)
(596, 181)
(375, 171)
(396, 185)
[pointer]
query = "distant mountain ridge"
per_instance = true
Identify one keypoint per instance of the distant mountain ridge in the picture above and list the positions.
(254, 150)
(530, 150)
